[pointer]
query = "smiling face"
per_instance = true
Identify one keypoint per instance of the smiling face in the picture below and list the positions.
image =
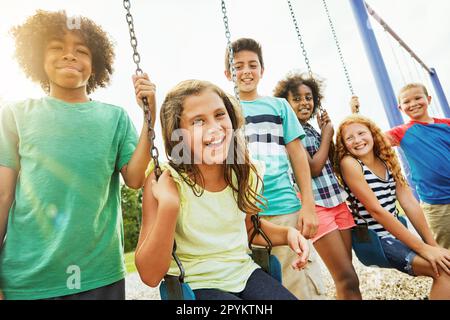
(358, 139)
(208, 130)
(248, 72)
(68, 62)
(302, 103)
(414, 103)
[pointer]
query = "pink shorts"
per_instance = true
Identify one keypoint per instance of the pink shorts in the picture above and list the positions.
(330, 219)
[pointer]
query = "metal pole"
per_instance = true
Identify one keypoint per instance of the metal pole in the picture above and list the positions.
(432, 72)
(381, 75)
(389, 30)
(440, 92)
(377, 64)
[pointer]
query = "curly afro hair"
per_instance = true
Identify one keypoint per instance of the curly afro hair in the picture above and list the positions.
(37, 31)
(295, 79)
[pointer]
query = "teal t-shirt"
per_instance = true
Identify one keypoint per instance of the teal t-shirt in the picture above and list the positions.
(271, 124)
(65, 229)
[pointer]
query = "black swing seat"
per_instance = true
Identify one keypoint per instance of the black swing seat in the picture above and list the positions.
(367, 246)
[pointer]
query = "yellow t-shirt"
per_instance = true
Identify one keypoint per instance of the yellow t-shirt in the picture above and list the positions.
(211, 238)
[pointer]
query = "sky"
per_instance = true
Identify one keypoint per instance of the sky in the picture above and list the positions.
(185, 39)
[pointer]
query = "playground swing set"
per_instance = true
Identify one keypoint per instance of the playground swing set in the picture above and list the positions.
(365, 241)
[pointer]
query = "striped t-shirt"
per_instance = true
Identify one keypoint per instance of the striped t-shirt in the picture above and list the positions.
(384, 190)
(271, 124)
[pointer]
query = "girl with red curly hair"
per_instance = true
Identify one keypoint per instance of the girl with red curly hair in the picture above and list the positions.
(369, 167)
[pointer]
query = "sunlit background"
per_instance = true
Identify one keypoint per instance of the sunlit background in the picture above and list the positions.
(185, 39)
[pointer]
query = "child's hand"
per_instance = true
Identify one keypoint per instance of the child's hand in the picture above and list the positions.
(325, 125)
(165, 190)
(307, 222)
(145, 88)
(354, 104)
(437, 256)
(300, 246)
(323, 119)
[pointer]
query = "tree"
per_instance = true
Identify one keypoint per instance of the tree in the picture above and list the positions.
(131, 211)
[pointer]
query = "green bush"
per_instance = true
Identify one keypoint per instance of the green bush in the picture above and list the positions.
(131, 210)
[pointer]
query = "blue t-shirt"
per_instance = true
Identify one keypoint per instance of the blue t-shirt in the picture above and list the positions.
(427, 148)
(270, 125)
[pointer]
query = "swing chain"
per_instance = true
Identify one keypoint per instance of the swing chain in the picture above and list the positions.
(338, 46)
(302, 46)
(133, 39)
(137, 59)
(300, 39)
(230, 52)
(256, 221)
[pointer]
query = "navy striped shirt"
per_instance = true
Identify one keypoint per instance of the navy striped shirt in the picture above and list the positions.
(271, 124)
(384, 190)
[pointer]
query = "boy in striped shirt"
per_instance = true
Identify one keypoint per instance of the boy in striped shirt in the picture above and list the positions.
(274, 134)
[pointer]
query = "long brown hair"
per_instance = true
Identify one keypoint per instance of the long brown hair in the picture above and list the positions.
(381, 148)
(240, 166)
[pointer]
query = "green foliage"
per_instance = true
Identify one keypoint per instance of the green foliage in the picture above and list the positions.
(131, 210)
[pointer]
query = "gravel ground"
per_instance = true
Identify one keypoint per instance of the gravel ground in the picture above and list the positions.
(384, 284)
(375, 284)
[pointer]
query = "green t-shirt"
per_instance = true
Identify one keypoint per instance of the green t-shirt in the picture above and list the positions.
(65, 224)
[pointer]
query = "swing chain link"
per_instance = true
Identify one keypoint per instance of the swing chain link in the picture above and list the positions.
(338, 46)
(137, 59)
(302, 46)
(230, 52)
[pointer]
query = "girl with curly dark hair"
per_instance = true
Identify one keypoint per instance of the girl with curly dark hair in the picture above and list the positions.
(333, 238)
(61, 157)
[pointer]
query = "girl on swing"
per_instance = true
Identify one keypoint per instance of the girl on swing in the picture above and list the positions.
(204, 200)
(333, 238)
(366, 163)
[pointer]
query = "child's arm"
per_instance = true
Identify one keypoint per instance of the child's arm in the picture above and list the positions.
(307, 219)
(392, 139)
(279, 236)
(8, 178)
(160, 208)
(354, 178)
(133, 173)
(415, 214)
(432, 252)
(317, 162)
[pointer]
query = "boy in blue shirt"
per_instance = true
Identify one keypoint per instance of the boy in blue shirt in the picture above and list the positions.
(61, 158)
(274, 134)
(426, 144)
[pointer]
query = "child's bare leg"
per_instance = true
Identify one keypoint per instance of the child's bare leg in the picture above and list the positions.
(440, 289)
(335, 252)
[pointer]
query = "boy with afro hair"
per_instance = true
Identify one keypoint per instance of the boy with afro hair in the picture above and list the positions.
(61, 157)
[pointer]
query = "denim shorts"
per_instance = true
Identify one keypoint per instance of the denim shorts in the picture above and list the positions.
(398, 255)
